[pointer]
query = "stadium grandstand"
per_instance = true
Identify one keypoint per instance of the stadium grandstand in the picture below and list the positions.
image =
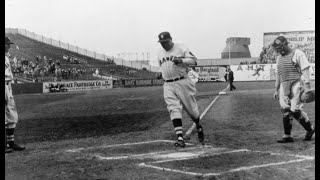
(35, 61)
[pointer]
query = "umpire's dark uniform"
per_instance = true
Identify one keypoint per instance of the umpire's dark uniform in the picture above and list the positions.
(231, 80)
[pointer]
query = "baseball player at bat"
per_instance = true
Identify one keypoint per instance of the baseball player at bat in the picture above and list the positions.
(293, 77)
(179, 91)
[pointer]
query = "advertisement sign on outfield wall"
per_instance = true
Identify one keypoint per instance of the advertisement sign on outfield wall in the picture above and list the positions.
(79, 85)
(211, 73)
(260, 72)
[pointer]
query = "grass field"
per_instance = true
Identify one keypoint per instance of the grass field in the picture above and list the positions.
(127, 134)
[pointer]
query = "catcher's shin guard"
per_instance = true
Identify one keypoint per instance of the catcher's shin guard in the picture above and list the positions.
(303, 119)
(287, 121)
(287, 125)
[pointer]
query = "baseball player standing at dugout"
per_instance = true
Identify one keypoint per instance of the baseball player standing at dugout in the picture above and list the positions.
(179, 90)
(293, 77)
(11, 114)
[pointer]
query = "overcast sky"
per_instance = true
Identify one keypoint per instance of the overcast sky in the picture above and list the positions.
(132, 26)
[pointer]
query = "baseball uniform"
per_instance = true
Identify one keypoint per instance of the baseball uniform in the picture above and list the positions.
(292, 77)
(179, 91)
(11, 114)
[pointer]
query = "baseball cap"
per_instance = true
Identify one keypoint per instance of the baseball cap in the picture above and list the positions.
(8, 41)
(164, 36)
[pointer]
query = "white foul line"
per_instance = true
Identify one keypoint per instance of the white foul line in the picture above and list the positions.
(168, 169)
(193, 126)
(205, 111)
(301, 158)
(256, 166)
(141, 155)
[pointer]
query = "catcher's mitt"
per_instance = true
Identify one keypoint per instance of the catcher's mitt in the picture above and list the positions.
(308, 96)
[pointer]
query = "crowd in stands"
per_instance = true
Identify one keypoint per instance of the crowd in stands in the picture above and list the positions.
(43, 69)
(269, 56)
(308, 49)
(46, 69)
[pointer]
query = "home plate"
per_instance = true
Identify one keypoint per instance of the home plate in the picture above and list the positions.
(187, 153)
(178, 155)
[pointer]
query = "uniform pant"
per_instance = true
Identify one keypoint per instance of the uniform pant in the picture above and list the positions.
(292, 101)
(179, 94)
(11, 114)
(291, 106)
(231, 84)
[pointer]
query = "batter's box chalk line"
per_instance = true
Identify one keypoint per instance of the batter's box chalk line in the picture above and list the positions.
(243, 168)
(166, 154)
(119, 145)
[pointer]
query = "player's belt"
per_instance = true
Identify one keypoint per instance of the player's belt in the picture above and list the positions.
(172, 80)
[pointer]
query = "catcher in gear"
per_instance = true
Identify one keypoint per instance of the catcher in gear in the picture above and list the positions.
(293, 78)
(178, 89)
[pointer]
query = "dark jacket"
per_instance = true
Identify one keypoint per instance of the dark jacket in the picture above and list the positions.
(230, 75)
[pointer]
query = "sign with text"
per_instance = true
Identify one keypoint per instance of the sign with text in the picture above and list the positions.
(260, 72)
(143, 82)
(211, 73)
(78, 85)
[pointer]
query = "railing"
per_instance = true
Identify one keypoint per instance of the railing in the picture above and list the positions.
(76, 49)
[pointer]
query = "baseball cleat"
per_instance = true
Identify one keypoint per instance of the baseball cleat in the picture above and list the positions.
(17, 147)
(309, 135)
(200, 134)
(187, 138)
(180, 143)
(285, 140)
(8, 150)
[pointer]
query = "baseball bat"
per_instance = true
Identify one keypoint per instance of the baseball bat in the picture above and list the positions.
(188, 133)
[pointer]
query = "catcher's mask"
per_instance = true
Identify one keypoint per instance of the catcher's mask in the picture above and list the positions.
(280, 44)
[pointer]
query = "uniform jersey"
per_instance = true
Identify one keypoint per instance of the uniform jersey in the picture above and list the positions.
(11, 114)
(8, 71)
(170, 70)
(290, 66)
(293, 88)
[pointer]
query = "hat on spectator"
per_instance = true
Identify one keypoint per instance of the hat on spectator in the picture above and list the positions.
(164, 36)
(8, 41)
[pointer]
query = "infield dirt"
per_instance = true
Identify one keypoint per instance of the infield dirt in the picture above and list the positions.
(248, 118)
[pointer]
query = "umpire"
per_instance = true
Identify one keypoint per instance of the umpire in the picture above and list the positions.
(11, 114)
(231, 78)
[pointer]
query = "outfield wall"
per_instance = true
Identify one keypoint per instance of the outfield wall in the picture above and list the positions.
(248, 72)
(27, 88)
(260, 72)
